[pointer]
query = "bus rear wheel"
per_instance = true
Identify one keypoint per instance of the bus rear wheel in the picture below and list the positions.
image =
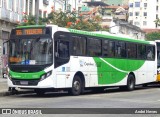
(130, 82)
(76, 86)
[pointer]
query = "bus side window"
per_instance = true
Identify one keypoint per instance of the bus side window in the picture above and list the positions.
(111, 48)
(150, 52)
(78, 46)
(105, 48)
(62, 49)
(141, 52)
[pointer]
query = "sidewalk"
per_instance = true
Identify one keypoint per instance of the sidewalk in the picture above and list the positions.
(3, 86)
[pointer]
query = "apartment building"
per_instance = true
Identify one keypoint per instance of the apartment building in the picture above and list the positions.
(11, 13)
(143, 13)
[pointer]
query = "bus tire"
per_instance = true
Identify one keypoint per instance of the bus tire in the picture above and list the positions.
(76, 86)
(130, 82)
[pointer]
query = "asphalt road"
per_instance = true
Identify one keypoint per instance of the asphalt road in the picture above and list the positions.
(112, 98)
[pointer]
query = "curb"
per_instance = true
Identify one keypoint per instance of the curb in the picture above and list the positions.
(7, 93)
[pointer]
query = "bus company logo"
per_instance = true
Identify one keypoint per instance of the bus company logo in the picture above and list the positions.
(81, 62)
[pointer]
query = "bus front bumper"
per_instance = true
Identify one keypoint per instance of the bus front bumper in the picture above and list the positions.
(31, 84)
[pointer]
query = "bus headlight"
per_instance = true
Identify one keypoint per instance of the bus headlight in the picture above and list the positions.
(45, 75)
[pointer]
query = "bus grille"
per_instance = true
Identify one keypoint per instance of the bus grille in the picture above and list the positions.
(25, 82)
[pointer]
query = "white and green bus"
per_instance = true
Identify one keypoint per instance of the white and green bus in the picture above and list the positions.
(48, 57)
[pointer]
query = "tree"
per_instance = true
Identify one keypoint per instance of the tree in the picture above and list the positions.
(157, 22)
(31, 20)
(67, 19)
(153, 36)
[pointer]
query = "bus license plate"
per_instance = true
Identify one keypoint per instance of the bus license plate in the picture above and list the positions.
(24, 82)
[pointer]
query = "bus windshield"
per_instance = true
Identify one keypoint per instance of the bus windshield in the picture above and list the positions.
(31, 51)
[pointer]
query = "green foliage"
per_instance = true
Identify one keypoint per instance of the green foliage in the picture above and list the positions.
(66, 19)
(153, 36)
(31, 20)
(157, 22)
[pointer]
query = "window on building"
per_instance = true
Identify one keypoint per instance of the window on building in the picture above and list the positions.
(131, 21)
(131, 5)
(0, 3)
(45, 14)
(136, 23)
(40, 13)
(10, 4)
(156, 8)
(21, 6)
(145, 4)
(144, 23)
(145, 14)
(30, 7)
(26, 6)
(4, 4)
(131, 14)
(156, 16)
(137, 4)
(136, 13)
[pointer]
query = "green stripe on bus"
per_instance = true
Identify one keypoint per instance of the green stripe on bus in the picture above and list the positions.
(27, 76)
(31, 26)
(112, 70)
(108, 36)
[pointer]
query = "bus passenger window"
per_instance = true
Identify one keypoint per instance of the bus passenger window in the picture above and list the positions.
(105, 48)
(150, 53)
(94, 47)
(111, 48)
(63, 49)
(78, 46)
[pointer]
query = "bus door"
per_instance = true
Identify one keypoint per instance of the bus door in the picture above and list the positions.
(158, 60)
(62, 57)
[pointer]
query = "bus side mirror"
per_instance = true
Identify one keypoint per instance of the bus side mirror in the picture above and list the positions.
(4, 49)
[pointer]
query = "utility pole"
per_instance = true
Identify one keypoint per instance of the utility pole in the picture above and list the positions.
(37, 11)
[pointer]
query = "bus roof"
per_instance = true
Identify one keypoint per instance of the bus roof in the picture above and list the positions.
(108, 35)
(31, 26)
(96, 34)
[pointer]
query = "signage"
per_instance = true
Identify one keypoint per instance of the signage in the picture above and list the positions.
(29, 31)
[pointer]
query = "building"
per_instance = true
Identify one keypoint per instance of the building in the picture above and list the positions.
(143, 13)
(11, 13)
(116, 2)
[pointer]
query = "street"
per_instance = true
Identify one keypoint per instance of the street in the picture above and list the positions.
(112, 98)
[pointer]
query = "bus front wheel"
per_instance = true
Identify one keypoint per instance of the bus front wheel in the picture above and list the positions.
(76, 86)
(130, 82)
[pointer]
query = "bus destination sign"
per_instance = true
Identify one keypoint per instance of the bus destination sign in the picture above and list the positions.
(29, 31)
